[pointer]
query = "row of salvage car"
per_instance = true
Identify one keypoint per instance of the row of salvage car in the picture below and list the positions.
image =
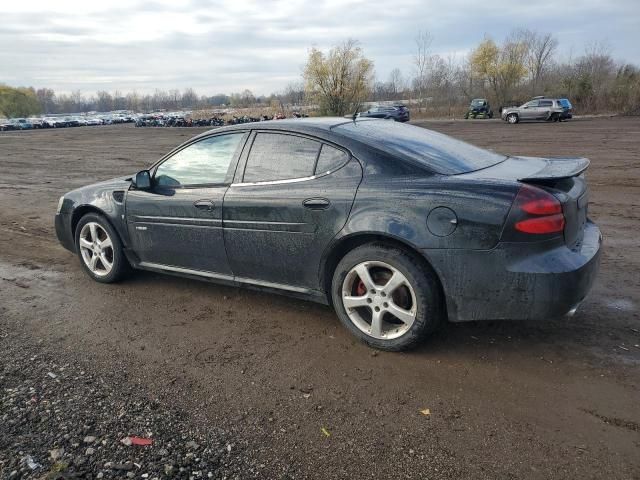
(64, 121)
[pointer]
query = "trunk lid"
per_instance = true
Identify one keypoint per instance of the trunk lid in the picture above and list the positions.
(562, 177)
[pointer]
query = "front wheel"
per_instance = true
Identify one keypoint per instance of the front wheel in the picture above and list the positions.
(100, 249)
(387, 297)
(512, 118)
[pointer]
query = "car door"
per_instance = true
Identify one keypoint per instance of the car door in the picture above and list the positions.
(544, 109)
(293, 195)
(177, 223)
(529, 111)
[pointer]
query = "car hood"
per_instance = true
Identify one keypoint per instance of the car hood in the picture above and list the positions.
(119, 183)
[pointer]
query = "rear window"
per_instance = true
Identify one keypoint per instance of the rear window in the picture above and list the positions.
(440, 153)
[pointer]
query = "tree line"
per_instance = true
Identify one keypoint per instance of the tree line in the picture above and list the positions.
(526, 63)
(523, 65)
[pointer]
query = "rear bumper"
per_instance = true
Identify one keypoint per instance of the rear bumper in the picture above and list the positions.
(518, 281)
(63, 231)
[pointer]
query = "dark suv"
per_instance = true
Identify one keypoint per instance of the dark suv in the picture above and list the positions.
(399, 113)
(539, 108)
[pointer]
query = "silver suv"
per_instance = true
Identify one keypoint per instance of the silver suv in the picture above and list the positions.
(540, 108)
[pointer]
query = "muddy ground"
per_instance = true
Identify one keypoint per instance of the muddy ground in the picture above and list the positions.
(548, 399)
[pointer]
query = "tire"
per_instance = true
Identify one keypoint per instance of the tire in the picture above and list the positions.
(512, 118)
(416, 297)
(466, 116)
(95, 237)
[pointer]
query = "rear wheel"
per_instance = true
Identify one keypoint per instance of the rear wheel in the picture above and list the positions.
(512, 118)
(100, 249)
(386, 296)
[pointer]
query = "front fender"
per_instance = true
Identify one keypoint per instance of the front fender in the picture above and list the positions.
(106, 198)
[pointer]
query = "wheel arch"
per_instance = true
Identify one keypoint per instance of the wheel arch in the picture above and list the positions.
(345, 244)
(80, 211)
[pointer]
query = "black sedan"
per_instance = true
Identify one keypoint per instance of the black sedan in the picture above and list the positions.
(398, 113)
(397, 227)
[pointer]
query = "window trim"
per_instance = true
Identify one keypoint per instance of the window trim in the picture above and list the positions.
(228, 179)
(255, 133)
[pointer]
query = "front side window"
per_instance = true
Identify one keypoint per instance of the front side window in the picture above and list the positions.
(532, 104)
(277, 156)
(203, 162)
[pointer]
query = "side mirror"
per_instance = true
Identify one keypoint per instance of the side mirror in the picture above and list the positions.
(142, 180)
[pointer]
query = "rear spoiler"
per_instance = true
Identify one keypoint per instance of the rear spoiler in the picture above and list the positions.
(557, 168)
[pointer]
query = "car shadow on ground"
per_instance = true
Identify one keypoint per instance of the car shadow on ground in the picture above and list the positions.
(590, 328)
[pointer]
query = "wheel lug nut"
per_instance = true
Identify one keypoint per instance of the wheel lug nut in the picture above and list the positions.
(383, 294)
(372, 291)
(369, 300)
(377, 309)
(385, 305)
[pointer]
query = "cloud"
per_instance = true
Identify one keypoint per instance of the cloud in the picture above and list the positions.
(226, 45)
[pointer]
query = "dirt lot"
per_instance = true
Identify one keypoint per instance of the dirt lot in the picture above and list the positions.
(550, 399)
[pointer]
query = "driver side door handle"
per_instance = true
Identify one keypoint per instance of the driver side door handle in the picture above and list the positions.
(207, 205)
(316, 203)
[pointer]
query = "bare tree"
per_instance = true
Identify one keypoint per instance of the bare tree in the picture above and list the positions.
(422, 61)
(540, 49)
(396, 82)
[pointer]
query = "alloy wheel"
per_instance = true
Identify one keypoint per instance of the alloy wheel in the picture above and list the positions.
(96, 248)
(379, 300)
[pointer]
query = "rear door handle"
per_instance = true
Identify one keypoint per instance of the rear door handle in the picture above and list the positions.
(316, 203)
(204, 204)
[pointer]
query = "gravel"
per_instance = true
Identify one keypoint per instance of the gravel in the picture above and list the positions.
(59, 420)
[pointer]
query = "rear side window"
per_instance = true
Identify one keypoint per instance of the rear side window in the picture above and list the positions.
(330, 159)
(435, 151)
(277, 156)
(546, 103)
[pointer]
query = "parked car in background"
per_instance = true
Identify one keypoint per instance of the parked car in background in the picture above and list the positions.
(50, 122)
(539, 109)
(396, 226)
(399, 113)
(479, 108)
(36, 122)
(6, 124)
(22, 124)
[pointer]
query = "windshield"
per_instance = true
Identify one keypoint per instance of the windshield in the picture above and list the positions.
(440, 153)
(477, 103)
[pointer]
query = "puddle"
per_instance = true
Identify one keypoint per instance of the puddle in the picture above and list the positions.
(26, 275)
(621, 304)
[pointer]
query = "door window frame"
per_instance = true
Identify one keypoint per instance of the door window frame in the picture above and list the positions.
(230, 170)
(242, 163)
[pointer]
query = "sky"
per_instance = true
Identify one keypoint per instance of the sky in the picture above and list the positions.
(229, 45)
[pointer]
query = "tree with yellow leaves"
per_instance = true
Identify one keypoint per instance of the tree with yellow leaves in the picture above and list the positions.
(18, 102)
(501, 67)
(340, 80)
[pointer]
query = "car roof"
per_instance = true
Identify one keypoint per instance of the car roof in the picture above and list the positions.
(308, 125)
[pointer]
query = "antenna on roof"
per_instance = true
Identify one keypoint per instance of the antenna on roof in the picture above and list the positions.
(355, 114)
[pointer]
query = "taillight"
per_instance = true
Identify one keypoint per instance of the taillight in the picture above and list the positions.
(539, 212)
(546, 224)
